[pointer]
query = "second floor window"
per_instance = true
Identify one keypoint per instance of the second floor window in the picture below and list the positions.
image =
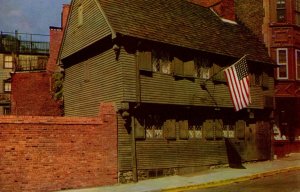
(161, 61)
(282, 61)
(297, 12)
(298, 63)
(8, 62)
(280, 8)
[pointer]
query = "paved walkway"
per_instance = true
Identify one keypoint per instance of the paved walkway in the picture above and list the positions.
(209, 178)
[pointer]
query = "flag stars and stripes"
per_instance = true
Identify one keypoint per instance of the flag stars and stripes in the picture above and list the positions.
(237, 76)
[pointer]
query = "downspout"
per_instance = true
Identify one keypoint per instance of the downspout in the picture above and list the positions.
(138, 101)
(133, 151)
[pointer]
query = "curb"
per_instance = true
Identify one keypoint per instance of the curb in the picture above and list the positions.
(229, 181)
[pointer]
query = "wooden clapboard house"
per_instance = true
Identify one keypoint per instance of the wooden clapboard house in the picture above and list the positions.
(160, 61)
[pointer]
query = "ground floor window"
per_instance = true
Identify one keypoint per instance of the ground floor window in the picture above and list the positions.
(154, 126)
(195, 130)
(6, 111)
(228, 131)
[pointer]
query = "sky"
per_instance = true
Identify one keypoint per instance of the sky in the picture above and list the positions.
(30, 16)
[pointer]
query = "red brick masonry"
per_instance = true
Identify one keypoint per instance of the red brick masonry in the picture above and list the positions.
(31, 95)
(51, 153)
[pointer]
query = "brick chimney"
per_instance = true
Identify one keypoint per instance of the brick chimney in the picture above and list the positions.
(64, 15)
(56, 35)
(224, 8)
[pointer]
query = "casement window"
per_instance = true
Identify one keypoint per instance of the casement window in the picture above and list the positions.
(281, 11)
(161, 61)
(297, 12)
(8, 62)
(202, 67)
(154, 126)
(195, 130)
(228, 131)
(282, 61)
(7, 86)
(297, 61)
(80, 15)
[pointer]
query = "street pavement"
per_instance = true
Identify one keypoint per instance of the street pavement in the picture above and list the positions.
(209, 178)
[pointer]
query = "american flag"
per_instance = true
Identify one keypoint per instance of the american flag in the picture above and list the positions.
(237, 76)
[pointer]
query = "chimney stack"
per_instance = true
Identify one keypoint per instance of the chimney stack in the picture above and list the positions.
(64, 15)
(224, 8)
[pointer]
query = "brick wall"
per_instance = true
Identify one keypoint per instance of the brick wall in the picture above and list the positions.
(53, 153)
(31, 95)
(251, 14)
(56, 35)
(224, 8)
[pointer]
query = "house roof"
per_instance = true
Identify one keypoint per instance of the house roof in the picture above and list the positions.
(181, 23)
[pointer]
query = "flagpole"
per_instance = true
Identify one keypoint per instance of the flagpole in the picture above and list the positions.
(203, 85)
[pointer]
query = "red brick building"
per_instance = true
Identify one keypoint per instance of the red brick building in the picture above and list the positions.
(277, 23)
(32, 91)
(283, 41)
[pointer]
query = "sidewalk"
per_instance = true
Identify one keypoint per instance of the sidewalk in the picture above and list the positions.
(209, 178)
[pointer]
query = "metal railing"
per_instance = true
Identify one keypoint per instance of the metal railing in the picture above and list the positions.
(24, 43)
(37, 64)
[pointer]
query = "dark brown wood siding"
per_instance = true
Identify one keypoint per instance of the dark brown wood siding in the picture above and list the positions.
(129, 76)
(124, 146)
(85, 90)
(159, 153)
(93, 28)
(166, 89)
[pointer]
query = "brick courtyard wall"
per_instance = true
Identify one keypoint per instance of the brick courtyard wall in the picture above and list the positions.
(53, 153)
(31, 95)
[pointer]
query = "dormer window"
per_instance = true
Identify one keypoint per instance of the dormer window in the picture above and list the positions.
(280, 8)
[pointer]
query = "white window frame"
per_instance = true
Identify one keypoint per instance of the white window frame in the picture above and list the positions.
(8, 59)
(297, 53)
(286, 63)
(7, 86)
(281, 6)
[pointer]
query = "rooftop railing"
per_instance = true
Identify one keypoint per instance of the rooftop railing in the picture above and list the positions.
(24, 43)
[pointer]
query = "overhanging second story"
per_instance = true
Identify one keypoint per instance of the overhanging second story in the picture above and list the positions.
(141, 56)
